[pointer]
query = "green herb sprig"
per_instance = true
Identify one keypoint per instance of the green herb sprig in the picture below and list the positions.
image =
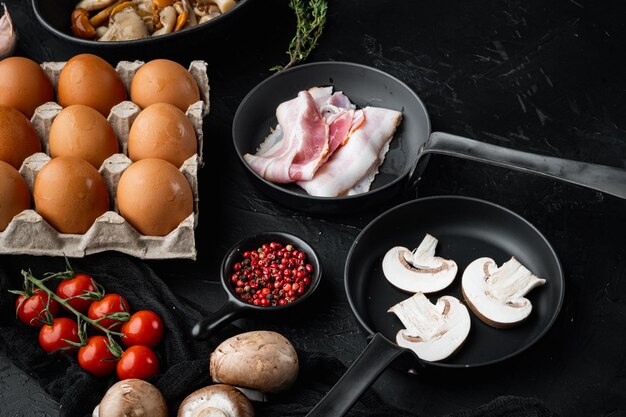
(310, 18)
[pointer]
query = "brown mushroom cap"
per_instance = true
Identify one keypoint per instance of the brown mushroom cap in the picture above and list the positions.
(261, 360)
(132, 398)
(216, 401)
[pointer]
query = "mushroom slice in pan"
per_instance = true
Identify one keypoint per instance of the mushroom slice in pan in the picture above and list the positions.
(419, 270)
(216, 401)
(496, 295)
(433, 332)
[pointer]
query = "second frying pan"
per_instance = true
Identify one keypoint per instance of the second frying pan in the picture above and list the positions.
(467, 229)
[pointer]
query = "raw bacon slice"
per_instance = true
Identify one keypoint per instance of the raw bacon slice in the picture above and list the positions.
(321, 95)
(303, 147)
(339, 129)
(353, 166)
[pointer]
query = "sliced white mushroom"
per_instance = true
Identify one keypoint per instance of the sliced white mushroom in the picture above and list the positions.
(125, 25)
(419, 270)
(216, 401)
(496, 295)
(93, 5)
(168, 18)
(433, 332)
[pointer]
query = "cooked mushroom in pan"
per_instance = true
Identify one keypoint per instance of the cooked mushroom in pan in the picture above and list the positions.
(123, 20)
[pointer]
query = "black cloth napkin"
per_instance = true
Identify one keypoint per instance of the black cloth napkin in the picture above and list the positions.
(184, 361)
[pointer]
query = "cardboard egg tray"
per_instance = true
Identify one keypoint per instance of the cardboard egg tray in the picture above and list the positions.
(28, 233)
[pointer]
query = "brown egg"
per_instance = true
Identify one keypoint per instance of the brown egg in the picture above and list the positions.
(90, 80)
(164, 81)
(154, 197)
(70, 194)
(24, 85)
(162, 131)
(84, 133)
(18, 139)
(14, 194)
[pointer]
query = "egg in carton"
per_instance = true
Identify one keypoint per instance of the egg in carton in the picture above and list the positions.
(29, 233)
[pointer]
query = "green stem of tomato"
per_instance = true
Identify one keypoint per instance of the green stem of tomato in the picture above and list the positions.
(39, 284)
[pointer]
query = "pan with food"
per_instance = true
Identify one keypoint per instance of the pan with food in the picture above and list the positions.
(117, 24)
(446, 327)
(263, 274)
(335, 137)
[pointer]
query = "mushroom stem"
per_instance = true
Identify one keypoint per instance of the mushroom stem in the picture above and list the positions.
(512, 281)
(423, 257)
(419, 316)
(103, 15)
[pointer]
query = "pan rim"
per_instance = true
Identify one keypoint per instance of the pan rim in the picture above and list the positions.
(517, 352)
(304, 67)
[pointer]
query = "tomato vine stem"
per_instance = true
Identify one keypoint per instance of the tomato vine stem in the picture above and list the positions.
(39, 283)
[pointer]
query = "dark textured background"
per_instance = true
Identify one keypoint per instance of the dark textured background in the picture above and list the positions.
(540, 76)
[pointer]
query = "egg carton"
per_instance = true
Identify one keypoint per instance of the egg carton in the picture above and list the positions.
(28, 233)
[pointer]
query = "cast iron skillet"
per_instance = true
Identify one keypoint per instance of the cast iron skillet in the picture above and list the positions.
(467, 229)
(367, 86)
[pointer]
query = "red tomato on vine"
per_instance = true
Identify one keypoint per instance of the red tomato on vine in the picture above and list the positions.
(56, 336)
(144, 328)
(31, 310)
(73, 288)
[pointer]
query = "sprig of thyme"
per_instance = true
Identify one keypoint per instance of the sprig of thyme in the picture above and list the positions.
(310, 18)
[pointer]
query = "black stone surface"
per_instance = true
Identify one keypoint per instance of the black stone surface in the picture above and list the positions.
(545, 77)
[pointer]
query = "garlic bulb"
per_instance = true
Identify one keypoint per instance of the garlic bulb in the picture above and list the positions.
(8, 35)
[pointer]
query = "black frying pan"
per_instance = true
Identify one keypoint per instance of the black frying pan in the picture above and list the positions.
(404, 163)
(467, 229)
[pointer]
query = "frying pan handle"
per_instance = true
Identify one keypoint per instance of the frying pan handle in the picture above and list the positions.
(209, 325)
(597, 177)
(377, 355)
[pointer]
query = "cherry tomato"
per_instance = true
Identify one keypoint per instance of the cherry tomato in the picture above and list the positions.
(76, 286)
(137, 362)
(52, 337)
(144, 328)
(96, 358)
(30, 310)
(110, 303)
